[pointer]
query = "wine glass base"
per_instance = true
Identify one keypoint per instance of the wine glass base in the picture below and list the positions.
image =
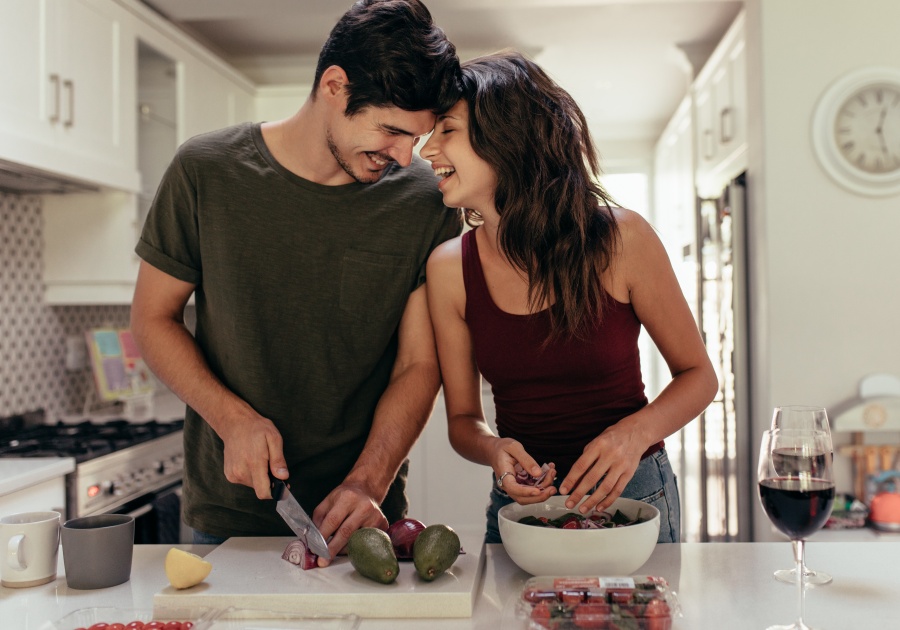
(813, 578)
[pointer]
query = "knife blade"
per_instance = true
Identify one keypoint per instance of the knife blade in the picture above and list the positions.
(297, 519)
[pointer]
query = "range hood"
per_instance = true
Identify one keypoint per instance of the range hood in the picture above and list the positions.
(21, 179)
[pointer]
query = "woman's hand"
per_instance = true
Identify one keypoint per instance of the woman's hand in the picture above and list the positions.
(508, 458)
(612, 456)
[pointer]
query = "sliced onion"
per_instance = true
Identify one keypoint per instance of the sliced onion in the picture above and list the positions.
(403, 534)
(298, 553)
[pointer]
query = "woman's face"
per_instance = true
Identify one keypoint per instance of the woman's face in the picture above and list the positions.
(467, 181)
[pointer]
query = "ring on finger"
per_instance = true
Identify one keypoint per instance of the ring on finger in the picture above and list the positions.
(501, 478)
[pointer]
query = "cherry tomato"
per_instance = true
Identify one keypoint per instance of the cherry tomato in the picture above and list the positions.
(99, 626)
(173, 625)
(154, 625)
(116, 626)
(135, 625)
(187, 625)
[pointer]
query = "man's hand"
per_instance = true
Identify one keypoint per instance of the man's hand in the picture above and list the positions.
(346, 509)
(253, 448)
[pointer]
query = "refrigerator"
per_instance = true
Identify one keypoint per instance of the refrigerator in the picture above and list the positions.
(716, 458)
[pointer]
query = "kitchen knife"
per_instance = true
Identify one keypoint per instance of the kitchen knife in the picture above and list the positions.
(297, 519)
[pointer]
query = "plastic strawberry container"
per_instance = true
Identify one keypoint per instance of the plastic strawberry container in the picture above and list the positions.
(597, 603)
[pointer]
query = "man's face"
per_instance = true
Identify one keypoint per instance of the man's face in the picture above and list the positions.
(367, 143)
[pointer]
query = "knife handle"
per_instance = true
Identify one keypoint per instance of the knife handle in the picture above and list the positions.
(277, 486)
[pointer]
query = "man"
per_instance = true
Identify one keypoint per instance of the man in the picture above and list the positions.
(304, 242)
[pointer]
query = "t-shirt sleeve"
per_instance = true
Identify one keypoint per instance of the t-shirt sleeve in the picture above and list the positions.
(170, 237)
(450, 227)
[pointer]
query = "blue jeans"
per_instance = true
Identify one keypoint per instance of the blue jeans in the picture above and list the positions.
(653, 482)
(202, 538)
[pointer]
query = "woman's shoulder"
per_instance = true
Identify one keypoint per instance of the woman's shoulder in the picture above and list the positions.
(449, 251)
(629, 220)
(445, 261)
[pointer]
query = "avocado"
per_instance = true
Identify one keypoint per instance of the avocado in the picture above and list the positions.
(435, 551)
(372, 555)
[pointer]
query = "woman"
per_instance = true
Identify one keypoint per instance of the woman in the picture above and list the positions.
(546, 298)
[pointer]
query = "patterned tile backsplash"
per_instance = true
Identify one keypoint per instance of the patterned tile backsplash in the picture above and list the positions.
(33, 335)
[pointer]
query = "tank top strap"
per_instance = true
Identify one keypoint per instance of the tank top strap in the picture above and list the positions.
(473, 273)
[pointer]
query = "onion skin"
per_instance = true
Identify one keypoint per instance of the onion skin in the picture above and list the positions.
(403, 534)
(298, 553)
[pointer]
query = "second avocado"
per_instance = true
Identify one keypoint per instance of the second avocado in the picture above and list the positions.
(435, 550)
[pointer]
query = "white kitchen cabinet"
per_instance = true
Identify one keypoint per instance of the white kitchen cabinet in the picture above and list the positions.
(720, 112)
(212, 100)
(89, 238)
(67, 92)
(22, 117)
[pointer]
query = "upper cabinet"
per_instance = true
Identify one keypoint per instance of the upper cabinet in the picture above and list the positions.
(167, 89)
(67, 103)
(720, 112)
(213, 100)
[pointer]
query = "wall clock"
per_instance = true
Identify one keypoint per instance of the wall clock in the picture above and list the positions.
(856, 131)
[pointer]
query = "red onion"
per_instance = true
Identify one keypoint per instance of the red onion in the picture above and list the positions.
(298, 553)
(403, 534)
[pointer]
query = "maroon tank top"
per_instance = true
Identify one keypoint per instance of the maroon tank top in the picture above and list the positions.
(553, 399)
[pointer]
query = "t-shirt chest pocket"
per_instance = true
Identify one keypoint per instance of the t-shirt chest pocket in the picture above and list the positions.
(374, 286)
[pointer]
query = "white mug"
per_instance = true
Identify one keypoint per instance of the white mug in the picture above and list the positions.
(30, 545)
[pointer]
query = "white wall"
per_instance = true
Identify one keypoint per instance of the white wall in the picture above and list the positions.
(824, 261)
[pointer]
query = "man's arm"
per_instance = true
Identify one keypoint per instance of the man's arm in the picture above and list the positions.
(253, 445)
(400, 416)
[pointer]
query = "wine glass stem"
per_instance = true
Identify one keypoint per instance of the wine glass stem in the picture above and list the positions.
(799, 559)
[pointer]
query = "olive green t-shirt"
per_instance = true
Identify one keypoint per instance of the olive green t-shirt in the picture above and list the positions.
(300, 290)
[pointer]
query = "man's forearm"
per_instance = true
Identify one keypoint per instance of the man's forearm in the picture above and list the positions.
(400, 417)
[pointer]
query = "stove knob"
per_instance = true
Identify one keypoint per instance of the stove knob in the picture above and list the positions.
(159, 467)
(106, 487)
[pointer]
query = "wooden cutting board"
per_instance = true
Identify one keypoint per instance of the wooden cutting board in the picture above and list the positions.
(249, 573)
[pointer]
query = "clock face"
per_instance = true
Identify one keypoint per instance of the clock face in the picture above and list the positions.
(867, 128)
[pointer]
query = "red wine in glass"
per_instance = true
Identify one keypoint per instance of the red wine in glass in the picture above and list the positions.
(798, 507)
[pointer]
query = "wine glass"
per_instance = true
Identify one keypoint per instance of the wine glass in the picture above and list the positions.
(811, 418)
(801, 417)
(796, 490)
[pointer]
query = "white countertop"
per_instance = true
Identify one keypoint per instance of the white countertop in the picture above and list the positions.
(18, 473)
(719, 585)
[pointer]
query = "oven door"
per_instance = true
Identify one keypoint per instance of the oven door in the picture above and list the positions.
(157, 517)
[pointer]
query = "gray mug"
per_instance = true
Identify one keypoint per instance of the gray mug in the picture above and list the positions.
(97, 550)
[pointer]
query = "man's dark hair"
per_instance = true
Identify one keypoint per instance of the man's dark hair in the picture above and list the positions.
(393, 54)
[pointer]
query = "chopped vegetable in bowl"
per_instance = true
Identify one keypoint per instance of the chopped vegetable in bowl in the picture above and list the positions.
(575, 520)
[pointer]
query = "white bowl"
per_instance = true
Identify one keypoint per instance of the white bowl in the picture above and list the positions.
(553, 551)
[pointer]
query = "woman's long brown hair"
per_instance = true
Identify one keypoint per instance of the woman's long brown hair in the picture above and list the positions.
(555, 219)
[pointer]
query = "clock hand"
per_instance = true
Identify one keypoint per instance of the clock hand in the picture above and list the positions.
(880, 132)
(881, 121)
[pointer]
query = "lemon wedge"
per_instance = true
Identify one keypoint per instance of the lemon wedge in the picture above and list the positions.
(185, 569)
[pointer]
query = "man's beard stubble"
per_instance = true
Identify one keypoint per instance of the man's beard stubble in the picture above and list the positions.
(339, 158)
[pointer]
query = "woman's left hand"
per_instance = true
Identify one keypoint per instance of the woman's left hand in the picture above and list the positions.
(612, 456)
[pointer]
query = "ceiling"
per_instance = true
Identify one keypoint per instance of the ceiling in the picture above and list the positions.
(627, 62)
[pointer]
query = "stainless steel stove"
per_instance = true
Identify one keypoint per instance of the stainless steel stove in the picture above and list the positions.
(120, 467)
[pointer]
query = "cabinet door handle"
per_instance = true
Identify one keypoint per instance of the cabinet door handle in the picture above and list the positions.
(726, 116)
(69, 86)
(708, 144)
(54, 79)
